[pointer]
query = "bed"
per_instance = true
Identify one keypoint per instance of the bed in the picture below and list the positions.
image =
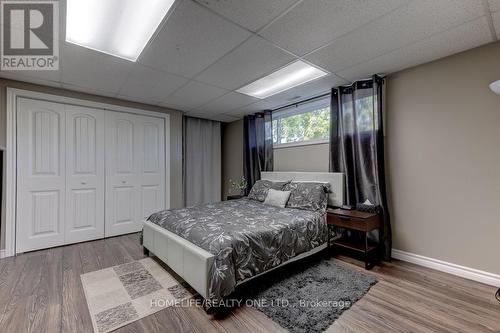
(218, 246)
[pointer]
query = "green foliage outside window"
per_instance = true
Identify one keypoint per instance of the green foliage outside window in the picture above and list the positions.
(313, 125)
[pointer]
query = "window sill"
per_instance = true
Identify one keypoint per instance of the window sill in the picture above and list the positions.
(300, 144)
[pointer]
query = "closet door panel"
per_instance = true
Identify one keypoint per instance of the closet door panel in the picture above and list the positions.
(40, 175)
(122, 180)
(151, 164)
(151, 200)
(84, 174)
(124, 204)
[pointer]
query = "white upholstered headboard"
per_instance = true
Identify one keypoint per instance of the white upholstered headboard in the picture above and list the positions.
(336, 180)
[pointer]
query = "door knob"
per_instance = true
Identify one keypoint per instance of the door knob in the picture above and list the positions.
(84, 183)
(124, 182)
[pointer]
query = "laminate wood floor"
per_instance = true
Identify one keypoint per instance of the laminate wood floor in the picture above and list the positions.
(41, 292)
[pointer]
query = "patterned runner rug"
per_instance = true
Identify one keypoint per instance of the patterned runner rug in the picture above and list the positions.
(119, 295)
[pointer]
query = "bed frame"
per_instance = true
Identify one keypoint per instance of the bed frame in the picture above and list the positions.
(193, 263)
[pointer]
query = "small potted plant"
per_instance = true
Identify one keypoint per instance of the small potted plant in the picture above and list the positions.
(237, 188)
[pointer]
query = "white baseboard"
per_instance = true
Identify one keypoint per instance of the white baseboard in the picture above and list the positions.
(3, 254)
(447, 267)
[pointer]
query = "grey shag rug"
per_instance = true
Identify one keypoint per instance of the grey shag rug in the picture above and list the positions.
(309, 297)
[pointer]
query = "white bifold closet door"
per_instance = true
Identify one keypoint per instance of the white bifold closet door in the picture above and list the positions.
(84, 174)
(135, 170)
(60, 174)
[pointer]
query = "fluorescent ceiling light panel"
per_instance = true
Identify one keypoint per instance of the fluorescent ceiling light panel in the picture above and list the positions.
(293, 75)
(121, 28)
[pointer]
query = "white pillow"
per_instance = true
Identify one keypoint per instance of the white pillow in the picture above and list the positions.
(277, 198)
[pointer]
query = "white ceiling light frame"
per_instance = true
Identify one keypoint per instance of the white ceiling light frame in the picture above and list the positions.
(121, 28)
(290, 76)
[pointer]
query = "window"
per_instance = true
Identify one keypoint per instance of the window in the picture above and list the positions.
(306, 123)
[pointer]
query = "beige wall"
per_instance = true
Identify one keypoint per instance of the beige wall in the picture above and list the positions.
(175, 131)
(443, 159)
(232, 154)
(302, 158)
(443, 153)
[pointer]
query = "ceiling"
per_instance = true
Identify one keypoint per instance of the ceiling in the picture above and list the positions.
(207, 49)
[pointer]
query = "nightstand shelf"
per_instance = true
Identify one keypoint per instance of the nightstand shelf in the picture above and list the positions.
(353, 245)
(356, 221)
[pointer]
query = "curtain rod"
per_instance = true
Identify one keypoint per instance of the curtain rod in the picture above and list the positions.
(301, 102)
(323, 95)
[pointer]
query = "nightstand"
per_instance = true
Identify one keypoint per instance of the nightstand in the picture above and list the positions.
(356, 221)
(234, 197)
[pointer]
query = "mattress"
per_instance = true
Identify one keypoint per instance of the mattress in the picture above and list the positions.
(246, 237)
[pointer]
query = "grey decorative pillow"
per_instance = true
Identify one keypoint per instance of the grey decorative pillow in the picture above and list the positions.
(277, 198)
(308, 195)
(261, 187)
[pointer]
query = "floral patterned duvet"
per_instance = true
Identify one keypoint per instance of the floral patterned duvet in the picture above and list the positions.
(246, 237)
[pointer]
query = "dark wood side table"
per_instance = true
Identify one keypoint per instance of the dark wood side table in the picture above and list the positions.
(360, 222)
(234, 197)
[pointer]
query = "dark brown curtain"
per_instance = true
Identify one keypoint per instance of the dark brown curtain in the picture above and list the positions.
(357, 148)
(258, 146)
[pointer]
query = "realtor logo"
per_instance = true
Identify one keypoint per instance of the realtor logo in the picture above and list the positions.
(30, 35)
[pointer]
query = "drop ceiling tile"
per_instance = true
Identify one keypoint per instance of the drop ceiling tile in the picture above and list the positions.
(253, 59)
(420, 19)
(252, 14)
(206, 112)
(192, 95)
(226, 103)
(191, 39)
(150, 85)
(93, 70)
(87, 90)
(494, 5)
(314, 23)
(308, 90)
(464, 37)
(225, 118)
(251, 109)
(173, 106)
(135, 99)
(496, 22)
